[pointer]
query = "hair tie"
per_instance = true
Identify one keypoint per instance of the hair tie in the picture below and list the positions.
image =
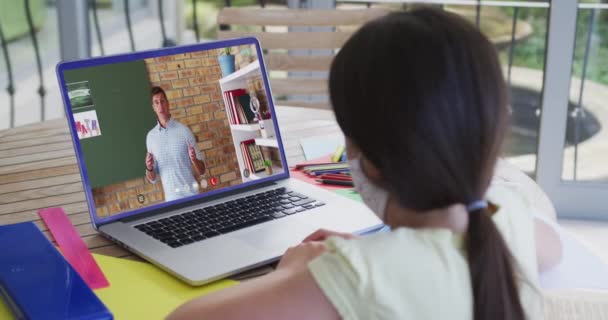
(477, 205)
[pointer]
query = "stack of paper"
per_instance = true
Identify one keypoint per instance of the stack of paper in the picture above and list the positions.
(315, 147)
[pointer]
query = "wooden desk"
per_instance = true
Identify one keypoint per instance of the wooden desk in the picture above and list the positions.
(38, 170)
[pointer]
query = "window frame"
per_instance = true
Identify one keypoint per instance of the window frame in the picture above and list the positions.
(572, 199)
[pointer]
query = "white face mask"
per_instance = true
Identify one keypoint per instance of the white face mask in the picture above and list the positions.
(373, 196)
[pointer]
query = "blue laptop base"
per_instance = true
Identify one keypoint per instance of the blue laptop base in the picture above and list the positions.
(38, 283)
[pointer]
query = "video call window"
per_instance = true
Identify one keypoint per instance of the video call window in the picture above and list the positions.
(173, 126)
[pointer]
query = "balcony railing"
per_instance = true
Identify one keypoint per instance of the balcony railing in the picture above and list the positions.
(12, 87)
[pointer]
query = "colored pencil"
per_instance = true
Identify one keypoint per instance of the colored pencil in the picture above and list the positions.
(336, 182)
(302, 165)
(326, 167)
(344, 177)
(321, 172)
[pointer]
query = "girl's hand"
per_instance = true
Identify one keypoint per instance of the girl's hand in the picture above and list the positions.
(323, 234)
(299, 256)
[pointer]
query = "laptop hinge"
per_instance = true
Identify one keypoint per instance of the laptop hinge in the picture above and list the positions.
(197, 201)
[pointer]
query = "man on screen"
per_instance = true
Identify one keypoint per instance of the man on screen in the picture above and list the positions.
(172, 152)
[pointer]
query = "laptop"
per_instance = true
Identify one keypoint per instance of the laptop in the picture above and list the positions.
(182, 161)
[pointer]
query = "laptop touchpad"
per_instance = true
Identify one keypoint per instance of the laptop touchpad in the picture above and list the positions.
(277, 236)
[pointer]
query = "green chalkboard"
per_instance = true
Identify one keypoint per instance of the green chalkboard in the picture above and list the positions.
(120, 95)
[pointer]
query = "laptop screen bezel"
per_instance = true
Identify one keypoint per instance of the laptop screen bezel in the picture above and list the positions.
(119, 58)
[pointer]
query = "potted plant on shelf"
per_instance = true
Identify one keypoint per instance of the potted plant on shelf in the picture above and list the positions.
(268, 165)
(226, 62)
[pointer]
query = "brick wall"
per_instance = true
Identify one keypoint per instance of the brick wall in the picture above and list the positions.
(123, 196)
(191, 83)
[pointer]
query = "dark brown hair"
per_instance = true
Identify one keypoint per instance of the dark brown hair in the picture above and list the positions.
(422, 95)
(156, 90)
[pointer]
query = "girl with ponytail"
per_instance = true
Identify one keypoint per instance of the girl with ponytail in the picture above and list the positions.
(421, 99)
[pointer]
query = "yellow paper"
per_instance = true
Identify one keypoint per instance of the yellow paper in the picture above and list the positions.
(4, 313)
(140, 290)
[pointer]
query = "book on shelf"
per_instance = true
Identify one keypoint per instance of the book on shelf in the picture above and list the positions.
(246, 158)
(253, 156)
(237, 107)
(244, 101)
(227, 107)
(230, 108)
(257, 158)
(240, 113)
(232, 95)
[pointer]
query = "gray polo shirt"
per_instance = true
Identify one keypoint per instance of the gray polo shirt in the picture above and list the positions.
(169, 146)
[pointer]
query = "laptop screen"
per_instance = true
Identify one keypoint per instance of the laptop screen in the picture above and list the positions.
(158, 128)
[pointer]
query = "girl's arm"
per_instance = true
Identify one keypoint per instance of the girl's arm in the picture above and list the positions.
(548, 245)
(290, 292)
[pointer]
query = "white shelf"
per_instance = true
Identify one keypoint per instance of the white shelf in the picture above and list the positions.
(242, 72)
(242, 132)
(263, 174)
(245, 127)
(267, 142)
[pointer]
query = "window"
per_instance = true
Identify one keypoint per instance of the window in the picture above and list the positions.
(570, 156)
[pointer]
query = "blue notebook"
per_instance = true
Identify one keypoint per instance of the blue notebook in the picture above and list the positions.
(38, 283)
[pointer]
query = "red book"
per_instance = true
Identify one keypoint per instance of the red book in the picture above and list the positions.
(343, 177)
(246, 157)
(232, 97)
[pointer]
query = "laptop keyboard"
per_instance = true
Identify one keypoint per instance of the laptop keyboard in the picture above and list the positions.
(200, 224)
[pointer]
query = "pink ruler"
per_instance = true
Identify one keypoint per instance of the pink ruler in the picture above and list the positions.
(73, 248)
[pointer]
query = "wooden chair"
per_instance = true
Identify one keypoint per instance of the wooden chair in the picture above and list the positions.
(277, 44)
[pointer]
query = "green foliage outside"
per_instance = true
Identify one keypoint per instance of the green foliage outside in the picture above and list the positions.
(530, 53)
(13, 18)
(597, 69)
(206, 14)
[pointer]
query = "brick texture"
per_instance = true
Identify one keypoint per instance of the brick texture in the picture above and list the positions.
(127, 195)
